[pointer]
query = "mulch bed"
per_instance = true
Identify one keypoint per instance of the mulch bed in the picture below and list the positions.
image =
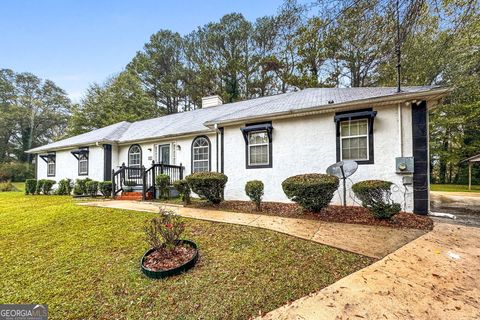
(349, 214)
(165, 259)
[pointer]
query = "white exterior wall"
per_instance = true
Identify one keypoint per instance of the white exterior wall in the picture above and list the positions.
(180, 152)
(308, 145)
(66, 165)
(300, 145)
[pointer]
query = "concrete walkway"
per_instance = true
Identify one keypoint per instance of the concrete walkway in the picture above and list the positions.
(436, 276)
(371, 241)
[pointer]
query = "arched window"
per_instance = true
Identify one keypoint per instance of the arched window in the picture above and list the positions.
(134, 160)
(201, 154)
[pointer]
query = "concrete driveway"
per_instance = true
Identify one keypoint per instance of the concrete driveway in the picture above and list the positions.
(464, 205)
(436, 276)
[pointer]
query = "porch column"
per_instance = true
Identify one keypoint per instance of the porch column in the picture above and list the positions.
(469, 175)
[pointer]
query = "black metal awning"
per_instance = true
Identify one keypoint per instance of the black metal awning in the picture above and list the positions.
(355, 115)
(257, 127)
(80, 152)
(366, 114)
(48, 156)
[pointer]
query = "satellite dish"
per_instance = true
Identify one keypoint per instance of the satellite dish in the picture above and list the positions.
(343, 170)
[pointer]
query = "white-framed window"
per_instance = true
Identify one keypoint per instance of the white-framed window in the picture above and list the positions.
(134, 160)
(51, 167)
(354, 144)
(83, 164)
(258, 148)
(201, 154)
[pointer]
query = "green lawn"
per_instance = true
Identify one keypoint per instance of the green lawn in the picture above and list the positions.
(454, 188)
(84, 263)
(20, 186)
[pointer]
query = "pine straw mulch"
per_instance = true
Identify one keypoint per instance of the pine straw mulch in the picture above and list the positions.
(165, 259)
(349, 214)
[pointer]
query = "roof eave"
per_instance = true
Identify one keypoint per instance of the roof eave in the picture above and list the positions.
(70, 146)
(434, 94)
(165, 137)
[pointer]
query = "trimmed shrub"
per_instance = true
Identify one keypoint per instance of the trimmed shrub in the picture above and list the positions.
(313, 191)
(91, 188)
(376, 197)
(105, 188)
(64, 187)
(39, 186)
(7, 187)
(184, 189)
(80, 187)
(30, 186)
(164, 231)
(254, 190)
(47, 186)
(161, 182)
(16, 171)
(208, 185)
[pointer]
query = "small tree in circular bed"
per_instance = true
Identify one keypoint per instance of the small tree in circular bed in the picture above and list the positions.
(376, 197)
(312, 191)
(209, 185)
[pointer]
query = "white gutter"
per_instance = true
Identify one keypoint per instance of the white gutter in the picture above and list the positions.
(71, 146)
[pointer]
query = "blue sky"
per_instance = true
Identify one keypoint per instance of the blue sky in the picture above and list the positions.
(78, 42)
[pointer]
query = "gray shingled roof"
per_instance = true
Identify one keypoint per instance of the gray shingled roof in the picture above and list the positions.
(197, 120)
(112, 133)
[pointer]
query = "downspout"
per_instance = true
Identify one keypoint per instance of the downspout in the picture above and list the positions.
(217, 131)
(400, 129)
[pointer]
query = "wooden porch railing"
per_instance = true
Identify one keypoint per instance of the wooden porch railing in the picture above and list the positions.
(139, 176)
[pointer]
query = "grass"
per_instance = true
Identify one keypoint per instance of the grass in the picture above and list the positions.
(20, 186)
(84, 263)
(454, 188)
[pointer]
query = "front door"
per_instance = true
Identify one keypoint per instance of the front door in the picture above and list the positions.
(164, 154)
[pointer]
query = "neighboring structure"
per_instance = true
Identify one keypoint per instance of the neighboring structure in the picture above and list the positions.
(470, 161)
(268, 138)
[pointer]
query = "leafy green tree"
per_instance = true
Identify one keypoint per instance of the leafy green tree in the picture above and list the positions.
(121, 98)
(160, 67)
(34, 112)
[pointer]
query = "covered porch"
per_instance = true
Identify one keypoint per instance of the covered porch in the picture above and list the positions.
(140, 182)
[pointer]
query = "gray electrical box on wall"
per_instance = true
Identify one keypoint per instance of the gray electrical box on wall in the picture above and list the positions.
(407, 180)
(404, 165)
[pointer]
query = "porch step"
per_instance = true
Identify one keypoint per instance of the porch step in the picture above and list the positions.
(134, 196)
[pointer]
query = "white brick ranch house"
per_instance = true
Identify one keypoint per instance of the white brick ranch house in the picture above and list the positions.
(269, 139)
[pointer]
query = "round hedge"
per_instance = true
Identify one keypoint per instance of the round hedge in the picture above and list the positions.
(254, 190)
(312, 191)
(183, 188)
(209, 185)
(162, 181)
(375, 196)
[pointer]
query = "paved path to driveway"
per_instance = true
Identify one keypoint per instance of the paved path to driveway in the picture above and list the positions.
(371, 241)
(436, 276)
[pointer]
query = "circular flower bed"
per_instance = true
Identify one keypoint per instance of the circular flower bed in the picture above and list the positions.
(168, 262)
(168, 254)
